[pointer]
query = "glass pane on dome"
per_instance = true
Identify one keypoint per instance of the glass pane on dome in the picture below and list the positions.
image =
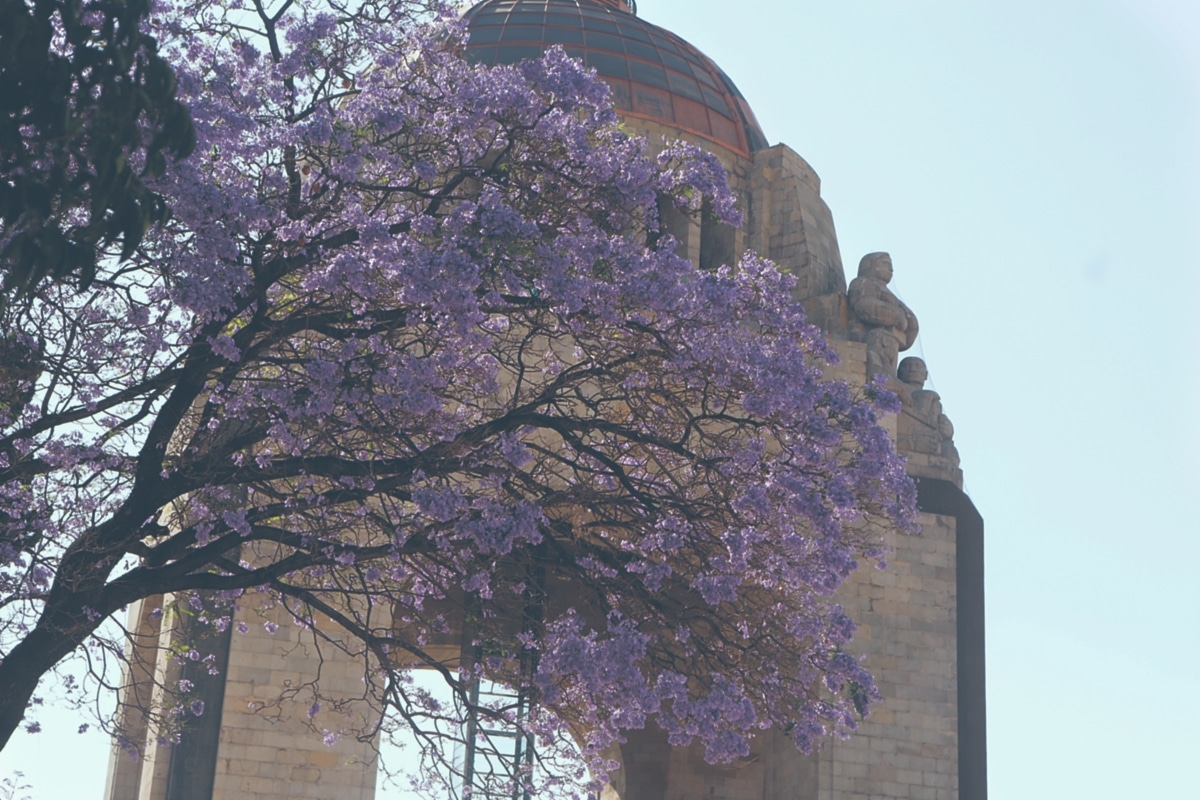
(724, 129)
(753, 131)
(522, 33)
(705, 77)
(480, 35)
(716, 102)
(652, 102)
(646, 51)
(512, 53)
(620, 93)
(526, 17)
(563, 36)
(563, 19)
(634, 32)
(601, 25)
(674, 61)
(685, 86)
(725, 79)
(608, 64)
(481, 55)
(605, 42)
(664, 43)
(648, 73)
(691, 115)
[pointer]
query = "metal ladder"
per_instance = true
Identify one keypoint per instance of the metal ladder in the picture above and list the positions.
(494, 758)
(496, 755)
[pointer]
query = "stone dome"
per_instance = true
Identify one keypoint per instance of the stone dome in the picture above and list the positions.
(653, 73)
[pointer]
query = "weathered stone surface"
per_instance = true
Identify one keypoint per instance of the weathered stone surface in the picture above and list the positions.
(788, 222)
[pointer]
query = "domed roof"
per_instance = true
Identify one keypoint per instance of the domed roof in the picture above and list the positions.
(653, 73)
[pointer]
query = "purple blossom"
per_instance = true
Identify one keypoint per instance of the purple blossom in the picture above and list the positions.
(224, 347)
(236, 520)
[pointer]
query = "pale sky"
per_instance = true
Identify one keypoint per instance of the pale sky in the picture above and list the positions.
(1033, 166)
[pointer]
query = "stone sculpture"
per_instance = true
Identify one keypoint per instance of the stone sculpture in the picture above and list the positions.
(891, 325)
(923, 426)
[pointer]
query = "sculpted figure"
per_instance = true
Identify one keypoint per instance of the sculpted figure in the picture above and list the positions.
(946, 429)
(926, 404)
(892, 326)
(923, 427)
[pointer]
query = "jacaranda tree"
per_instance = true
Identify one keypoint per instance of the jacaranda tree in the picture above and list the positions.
(87, 112)
(408, 352)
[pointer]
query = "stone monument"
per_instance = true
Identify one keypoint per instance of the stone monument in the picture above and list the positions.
(920, 621)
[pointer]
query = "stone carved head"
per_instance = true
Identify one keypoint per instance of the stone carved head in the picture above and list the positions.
(877, 266)
(913, 370)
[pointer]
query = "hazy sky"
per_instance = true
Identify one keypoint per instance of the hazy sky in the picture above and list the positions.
(1033, 166)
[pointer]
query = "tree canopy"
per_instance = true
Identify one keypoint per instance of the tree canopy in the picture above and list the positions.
(410, 350)
(87, 113)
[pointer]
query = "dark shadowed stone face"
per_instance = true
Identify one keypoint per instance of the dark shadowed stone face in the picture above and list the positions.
(912, 370)
(653, 73)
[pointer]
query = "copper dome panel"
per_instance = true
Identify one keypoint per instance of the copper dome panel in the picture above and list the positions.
(653, 73)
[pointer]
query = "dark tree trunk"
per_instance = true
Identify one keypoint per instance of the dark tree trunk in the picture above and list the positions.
(56, 636)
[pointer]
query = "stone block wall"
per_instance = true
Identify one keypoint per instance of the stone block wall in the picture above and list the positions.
(256, 739)
(124, 772)
(908, 747)
(789, 223)
(272, 750)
